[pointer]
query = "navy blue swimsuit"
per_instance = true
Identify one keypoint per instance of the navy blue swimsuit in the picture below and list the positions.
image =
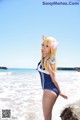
(46, 80)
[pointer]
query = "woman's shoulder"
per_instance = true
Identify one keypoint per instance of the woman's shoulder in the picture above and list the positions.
(51, 60)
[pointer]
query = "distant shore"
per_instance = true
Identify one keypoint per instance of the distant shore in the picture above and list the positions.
(68, 68)
(5, 68)
(58, 68)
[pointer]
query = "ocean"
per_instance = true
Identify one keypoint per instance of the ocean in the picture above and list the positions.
(21, 93)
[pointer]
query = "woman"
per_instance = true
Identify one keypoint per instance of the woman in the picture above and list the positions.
(47, 69)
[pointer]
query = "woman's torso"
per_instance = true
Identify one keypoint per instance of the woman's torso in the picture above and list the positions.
(46, 81)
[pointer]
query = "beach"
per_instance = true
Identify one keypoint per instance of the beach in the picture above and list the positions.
(21, 93)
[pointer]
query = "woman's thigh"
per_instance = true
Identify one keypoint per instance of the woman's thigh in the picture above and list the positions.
(49, 98)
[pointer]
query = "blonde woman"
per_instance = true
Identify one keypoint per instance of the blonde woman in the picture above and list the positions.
(47, 69)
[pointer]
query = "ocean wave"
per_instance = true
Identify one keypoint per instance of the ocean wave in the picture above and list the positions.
(5, 73)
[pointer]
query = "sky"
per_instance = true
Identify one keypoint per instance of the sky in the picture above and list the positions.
(22, 24)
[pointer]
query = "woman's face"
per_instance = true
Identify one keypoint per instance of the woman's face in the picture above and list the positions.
(46, 49)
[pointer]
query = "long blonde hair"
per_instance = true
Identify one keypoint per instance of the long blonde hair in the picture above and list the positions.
(52, 43)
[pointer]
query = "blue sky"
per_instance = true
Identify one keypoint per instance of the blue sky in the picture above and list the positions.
(22, 24)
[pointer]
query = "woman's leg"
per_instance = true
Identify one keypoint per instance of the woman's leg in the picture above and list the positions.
(49, 98)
